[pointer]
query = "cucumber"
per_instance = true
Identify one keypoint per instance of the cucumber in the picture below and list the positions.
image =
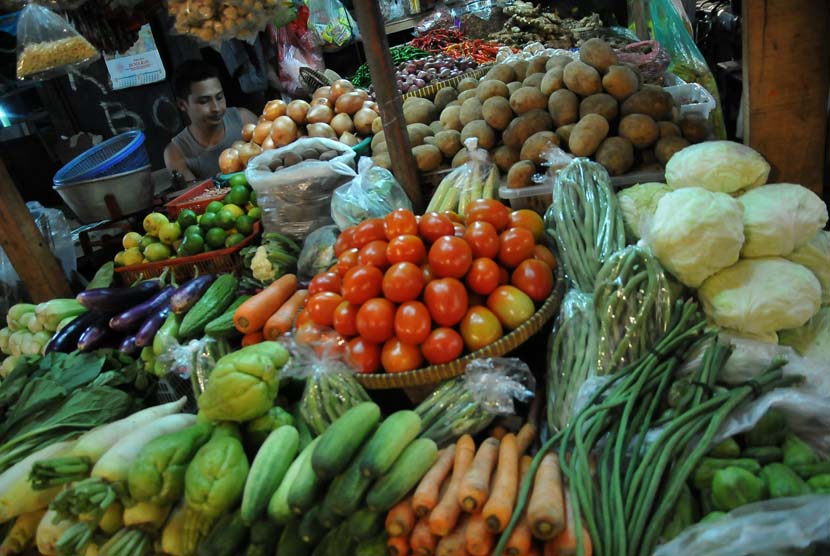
(365, 524)
(278, 508)
(226, 538)
(345, 494)
(222, 326)
(263, 538)
(290, 543)
(335, 543)
(306, 486)
(311, 530)
(343, 438)
(404, 475)
(392, 436)
(376, 546)
(267, 471)
(213, 303)
(328, 517)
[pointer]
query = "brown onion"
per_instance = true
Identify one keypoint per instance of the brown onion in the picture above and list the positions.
(371, 105)
(322, 101)
(342, 123)
(349, 139)
(363, 119)
(340, 87)
(297, 110)
(321, 130)
(274, 109)
(248, 151)
(248, 131)
(319, 114)
(261, 131)
(322, 92)
(284, 131)
(237, 144)
(348, 103)
(229, 161)
(268, 144)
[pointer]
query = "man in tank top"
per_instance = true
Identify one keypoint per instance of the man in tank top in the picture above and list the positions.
(213, 127)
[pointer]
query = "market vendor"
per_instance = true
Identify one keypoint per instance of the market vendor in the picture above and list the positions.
(213, 127)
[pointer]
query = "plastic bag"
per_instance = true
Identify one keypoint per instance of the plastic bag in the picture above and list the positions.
(318, 356)
(440, 18)
(297, 48)
(373, 193)
(48, 45)
(331, 24)
(318, 252)
(813, 339)
(469, 403)
(217, 21)
(297, 200)
(475, 179)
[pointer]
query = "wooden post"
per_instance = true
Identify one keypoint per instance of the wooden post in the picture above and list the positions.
(382, 70)
(786, 81)
(26, 247)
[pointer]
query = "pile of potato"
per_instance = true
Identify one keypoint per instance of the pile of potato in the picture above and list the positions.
(592, 107)
(340, 112)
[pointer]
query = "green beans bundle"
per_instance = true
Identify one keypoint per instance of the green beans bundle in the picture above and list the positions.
(402, 53)
(327, 396)
(585, 221)
(633, 305)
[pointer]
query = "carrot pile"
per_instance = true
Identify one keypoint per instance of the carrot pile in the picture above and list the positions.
(270, 313)
(466, 499)
(479, 50)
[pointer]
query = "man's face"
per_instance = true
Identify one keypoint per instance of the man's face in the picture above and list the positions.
(206, 102)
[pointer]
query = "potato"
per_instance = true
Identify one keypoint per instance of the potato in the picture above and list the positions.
(377, 125)
(537, 64)
(600, 103)
(467, 84)
(491, 88)
(527, 99)
(667, 146)
(640, 129)
(417, 132)
(427, 157)
(456, 102)
(451, 118)
(382, 160)
(648, 158)
(436, 126)
(380, 148)
(378, 138)
(466, 95)
(563, 106)
(520, 174)
(620, 82)
(521, 128)
(587, 135)
(694, 128)
(514, 86)
(497, 113)
(582, 79)
(537, 145)
(504, 157)
(444, 97)
(502, 72)
(448, 142)
(616, 154)
(470, 111)
(460, 157)
(558, 61)
(564, 133)
(479, 129)
(552, 81)
(534, 80)
(420, 112)
(598, 54)
(651, 101)
(520, 69)
(668, 129)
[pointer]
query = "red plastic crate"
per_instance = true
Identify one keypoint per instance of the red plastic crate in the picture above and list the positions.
(184, 201)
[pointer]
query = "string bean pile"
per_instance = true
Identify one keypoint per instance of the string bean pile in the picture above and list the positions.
(451, 411)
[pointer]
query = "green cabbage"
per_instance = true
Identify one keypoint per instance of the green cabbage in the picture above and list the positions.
(638, 204)
(815, 255)
(722, 166)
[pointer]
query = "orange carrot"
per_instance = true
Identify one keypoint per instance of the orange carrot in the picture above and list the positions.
(564, 544)
(252, 338)
(546, 508)
(498, 432)
(422, 541)
(454, 544)
(525, 437)
(281, 322)
(397, 546)
(478, 538)
(401, 518)
(253, 314)
(445, 515)
(475, 485)
(499, 506)
(521, 539)
(427, 494)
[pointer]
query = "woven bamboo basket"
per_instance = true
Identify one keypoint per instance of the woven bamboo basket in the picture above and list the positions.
(313, 79)
(439, 373)
(429, 91)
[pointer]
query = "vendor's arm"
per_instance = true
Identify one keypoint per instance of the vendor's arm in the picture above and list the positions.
(174, 160)
(248, 117)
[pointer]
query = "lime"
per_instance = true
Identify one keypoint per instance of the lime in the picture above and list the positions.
(154, 221)
(214, 206)
(157, 252)
(238, 179)
(192, 244)
(233, 239)
(225, 219)
(193, 230)
(170, 232)
(119, 258)
(235, 210)
(147, 240)
(245, 225)
(186, 218)
(238, 195)
(208, 221)
(132, 256)
(252, 200)
(255, 213)
(215, 238)
(131, 239)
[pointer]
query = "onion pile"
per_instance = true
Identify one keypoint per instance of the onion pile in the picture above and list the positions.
(414, 74)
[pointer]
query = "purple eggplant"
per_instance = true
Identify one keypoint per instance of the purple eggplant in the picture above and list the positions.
(93, 336)
(132, 317)
(115, 299)
(145, 334)
(128, 347)
(186, 296)
(66, 340)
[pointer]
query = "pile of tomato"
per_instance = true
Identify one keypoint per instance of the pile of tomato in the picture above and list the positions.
(408, 290)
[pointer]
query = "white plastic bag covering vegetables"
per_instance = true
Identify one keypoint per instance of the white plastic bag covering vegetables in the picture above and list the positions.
(722, 166)
(695, 233)
(638, 204)
(779, 218)
(813, 339)
(761, 295)
(373, 193)
(318, 252)
(815, 255)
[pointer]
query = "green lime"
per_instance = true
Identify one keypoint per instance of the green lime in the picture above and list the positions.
(238, 179)
(132, 256)
(252, 199)
(193, 230)
(192, 244)
(154, 221)
(119, 258)
(235, 210)
(245, 225)
(239, 195)
(208, 221)
(186, 218)
(233, 239)
(215, 238)
(170, 232)
(255, 213)
(225, 219)
(157, 252)
(214, 206)
(147, 241)
(131, 239)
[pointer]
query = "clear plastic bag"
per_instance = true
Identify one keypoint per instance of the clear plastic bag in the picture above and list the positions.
(296, 200)
(813, 339)
(55, 228)
(297, 48)
(373, 193)
(440, 18)
(216, 21)
(318, 252)
(331, 24)
(469, 403)
(48, 45)
(475, 179)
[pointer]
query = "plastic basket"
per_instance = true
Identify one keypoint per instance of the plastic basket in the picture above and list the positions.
(120, 154)
(185, 200)
(429, 91)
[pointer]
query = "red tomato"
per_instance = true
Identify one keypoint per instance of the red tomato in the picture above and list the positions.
(412, 322)
(364, 355)
(400, 222)
(453, 216)
(362, 283)
(545, 255)
(446, 300)
(376, 320)
(344, 241)
(483, 239)
(479, 328)
(450, 257)
(373, 253)
(488, 210)
(302, 318)
(512, 306)
(528, 219)
(483, 276)
(397, 357)
(458, 230)
(403, 282)
(368, 230)
(442, 346)
(321, 307)
(406, 248)
(429, 276)
(347, 261)
(534, 278)
(516, 246)
(345, 319)
(324, 282)
(434, 225)
(504, 276)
